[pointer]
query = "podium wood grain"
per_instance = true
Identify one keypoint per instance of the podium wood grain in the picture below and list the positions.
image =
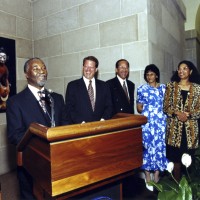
(66, 160)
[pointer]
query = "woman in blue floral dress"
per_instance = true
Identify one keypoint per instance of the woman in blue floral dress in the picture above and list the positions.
(150, 104)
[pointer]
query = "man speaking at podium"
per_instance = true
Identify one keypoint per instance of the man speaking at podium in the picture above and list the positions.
(33, 104)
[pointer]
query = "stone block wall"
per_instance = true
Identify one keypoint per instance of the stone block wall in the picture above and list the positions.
(192, 47)
(166, 35)
(16, 23)
(63, 32)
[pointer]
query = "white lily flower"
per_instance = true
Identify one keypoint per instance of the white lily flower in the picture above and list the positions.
(186, 160)
(170, 167)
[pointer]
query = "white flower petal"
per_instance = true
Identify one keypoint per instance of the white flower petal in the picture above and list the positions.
(170, 167)
(186, 160)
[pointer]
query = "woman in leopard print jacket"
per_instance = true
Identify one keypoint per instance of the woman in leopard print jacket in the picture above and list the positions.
(182, 106)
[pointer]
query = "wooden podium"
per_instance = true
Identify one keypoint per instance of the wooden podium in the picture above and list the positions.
(68, 160)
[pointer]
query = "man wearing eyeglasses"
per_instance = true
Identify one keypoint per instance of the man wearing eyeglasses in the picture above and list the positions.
(122, 89)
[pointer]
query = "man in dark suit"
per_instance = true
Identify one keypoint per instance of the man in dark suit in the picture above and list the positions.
(84, 105)
(26, 107)
(122, 90)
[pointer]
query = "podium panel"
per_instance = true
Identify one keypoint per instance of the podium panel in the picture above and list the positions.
(68, 160)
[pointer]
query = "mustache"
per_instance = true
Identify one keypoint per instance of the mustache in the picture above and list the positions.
(42, 75)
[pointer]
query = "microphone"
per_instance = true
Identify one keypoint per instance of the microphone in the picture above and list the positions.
(50, 91)
(47, 95)
(47, 92)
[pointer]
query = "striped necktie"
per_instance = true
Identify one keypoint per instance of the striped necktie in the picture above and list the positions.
(91, 94)
(42, 101)
(126, 91)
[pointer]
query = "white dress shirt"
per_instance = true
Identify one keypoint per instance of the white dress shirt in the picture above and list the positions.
(122, 82)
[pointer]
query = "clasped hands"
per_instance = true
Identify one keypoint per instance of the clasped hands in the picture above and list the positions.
(182, 116)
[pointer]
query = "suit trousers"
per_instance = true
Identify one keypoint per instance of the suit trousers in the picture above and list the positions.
(25, 184)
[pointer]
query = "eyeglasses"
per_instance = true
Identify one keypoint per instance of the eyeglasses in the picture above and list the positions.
(123, 68)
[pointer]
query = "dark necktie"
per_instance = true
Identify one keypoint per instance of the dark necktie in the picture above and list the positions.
(91, 94)
(125, 90)
(42, 101)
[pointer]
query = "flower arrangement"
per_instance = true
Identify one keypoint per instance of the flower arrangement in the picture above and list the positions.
(189, 186)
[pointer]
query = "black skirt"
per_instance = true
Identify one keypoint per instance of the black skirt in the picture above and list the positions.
(174, 154)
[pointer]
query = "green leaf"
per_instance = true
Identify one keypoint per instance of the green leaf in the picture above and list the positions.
(156, 185)
(168, 195)
(195, 186)
(185, 190)
(165, 185)
(169, 184)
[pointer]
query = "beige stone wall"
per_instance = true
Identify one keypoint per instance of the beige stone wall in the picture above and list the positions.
(192, 13)
(15, 23)
(66, 31)
(192, 32)
(63, 32)
(192, 48)
(166, 35)
(142, 31)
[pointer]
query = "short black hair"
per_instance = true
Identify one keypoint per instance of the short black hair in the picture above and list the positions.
(26, 64)
(117, 63)
(92, 58)
(152, 68)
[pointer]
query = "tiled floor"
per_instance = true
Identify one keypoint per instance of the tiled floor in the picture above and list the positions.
(9, 186)
(133, 188)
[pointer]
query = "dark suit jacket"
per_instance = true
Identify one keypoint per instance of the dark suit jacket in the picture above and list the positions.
(78, 104)
(119, 99)
(23, 109)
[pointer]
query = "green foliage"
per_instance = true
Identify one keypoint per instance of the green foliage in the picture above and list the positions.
(195, 176)
(169, 190)
(187, 189)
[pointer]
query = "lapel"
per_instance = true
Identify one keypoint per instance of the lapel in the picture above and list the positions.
(37, 109)
(121, 90)
(129, 90)
(84, 93)
(98, 94)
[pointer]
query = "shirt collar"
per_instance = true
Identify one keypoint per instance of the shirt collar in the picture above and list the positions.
(35, 90)
(121, 80)
(87, 81)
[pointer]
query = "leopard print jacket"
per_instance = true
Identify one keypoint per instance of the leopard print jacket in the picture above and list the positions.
(173, 102)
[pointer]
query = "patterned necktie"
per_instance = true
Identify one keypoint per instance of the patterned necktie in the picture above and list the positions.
(126, 91)
(91, 94)
(42, 101)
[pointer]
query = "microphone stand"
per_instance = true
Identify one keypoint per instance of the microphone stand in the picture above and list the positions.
(52, 109)
(52, 112)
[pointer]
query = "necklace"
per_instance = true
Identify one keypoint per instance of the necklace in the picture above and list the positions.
(185, 86)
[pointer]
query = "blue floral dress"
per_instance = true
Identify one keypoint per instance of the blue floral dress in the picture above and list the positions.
(153, 132)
